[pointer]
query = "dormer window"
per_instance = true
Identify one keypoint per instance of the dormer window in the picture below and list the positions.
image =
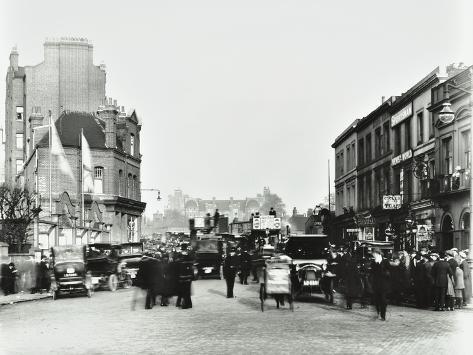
(132, 144)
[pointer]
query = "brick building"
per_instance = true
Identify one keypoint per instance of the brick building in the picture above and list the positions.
(403, 149)
(112, 211)
(67, 79)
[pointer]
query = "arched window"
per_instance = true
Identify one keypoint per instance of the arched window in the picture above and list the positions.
(130, 187)
(98, 180)
(120, 183)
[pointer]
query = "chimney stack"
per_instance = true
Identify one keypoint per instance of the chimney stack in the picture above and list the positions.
(382, 99)
(14, 58)
(108, 113)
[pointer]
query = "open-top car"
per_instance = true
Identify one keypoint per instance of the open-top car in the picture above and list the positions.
(104, 265)
(70, 274)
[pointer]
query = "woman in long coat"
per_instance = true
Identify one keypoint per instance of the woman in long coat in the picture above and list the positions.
(466, 278)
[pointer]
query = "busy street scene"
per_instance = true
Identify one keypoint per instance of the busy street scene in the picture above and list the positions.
(234, 177)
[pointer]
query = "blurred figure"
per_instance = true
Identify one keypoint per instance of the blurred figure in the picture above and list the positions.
(380, 271)
(245, 267)
(450, 297)
(272, 212)
(9, 276)
(459, 287)
(216, 219)
(230, 267)
(466, 278)
(42, 275)
(431, 259)
(350, 277)
(144, 279)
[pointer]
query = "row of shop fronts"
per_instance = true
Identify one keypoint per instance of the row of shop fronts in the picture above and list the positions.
(417, 148)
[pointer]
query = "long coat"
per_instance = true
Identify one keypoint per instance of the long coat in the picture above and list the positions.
(440, 272)
(466, 278)
(381, 276)
(459, 281)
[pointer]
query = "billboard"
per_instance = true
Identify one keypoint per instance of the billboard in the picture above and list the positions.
(266, 222)
(392, 202)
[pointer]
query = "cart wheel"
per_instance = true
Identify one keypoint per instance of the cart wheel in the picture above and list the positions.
(261, 296)
(112, 282)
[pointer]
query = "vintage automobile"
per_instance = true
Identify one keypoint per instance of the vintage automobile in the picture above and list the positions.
(70, 274)
(129, 257)
(105, 267)
(208, 257)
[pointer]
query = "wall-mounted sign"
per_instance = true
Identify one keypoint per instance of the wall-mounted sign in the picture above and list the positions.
(401, 115)
(401, 157)
(392, 202)
(267, 222)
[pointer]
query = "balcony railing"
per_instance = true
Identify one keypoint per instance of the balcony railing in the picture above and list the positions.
(455, 182)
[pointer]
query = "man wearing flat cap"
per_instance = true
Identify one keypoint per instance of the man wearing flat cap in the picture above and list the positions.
(380, 269)
(441, 271)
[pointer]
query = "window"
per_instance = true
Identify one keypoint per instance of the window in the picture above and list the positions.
(420, 128)
(342, 163)
(361, 152)
(378, 150)
(129, 186)
(407, 135)
(348, 197)
(98, 180)
(368, 191)
(387, 181)
(120, 183)
(397, 140)
(386, 137)
(368, 148)
(361, 194)
(19, 141)
(135, 187)
(432, 125)
(432, 169)
(353, 155)
(19, 165)
(401, 184)
(447, 156)
(349, 162)
(19, 113)
(132, 144)
(466, 148)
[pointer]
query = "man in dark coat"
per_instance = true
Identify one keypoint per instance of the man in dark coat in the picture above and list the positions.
(146, 280)
(272, 212)
(245, 267)
(419, 279)
(380, 271)
(351, 278)
(43, 279)
(9, 275)
(185, 274)
(230, 267)
(440, 273)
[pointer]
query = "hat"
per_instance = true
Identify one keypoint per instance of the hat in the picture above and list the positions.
(434, 255)
(462, 254)
(376, 250)
(449, 253)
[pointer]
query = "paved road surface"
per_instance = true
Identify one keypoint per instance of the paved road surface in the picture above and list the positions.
(105, 324)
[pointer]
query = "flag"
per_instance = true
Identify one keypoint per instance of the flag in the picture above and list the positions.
(58, 151)
(87, 167)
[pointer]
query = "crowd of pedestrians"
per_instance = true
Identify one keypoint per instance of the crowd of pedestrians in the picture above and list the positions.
(429, 280)
(28, 276)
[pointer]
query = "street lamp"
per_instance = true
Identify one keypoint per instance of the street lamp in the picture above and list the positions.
(159, 193)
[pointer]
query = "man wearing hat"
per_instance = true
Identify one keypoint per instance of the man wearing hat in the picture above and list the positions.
(380, 269)
(441, 271)
(230, 266)
(466, 278)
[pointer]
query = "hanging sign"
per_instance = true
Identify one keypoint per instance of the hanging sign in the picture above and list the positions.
(392, 202)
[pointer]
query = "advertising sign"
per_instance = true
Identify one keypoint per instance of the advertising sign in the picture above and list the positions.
(392, 202)
(423, 232)
(267, 222)
(401, 115)
(199, 222)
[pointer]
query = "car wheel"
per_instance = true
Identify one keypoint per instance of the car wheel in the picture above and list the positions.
(112, 282)
(127, 283)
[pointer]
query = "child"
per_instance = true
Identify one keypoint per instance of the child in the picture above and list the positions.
(459, 286)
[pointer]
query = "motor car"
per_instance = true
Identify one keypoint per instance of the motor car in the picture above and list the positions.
(208, 258)
(129, 257)
(105, 267)
(69, 271)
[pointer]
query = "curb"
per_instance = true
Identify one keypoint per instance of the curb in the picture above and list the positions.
(21, 300)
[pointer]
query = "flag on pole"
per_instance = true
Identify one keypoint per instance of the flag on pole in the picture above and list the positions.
(58, 151)
(87, 167)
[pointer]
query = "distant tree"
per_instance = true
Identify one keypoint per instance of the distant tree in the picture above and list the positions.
(324, 204)
(17, 210)
(273, 200)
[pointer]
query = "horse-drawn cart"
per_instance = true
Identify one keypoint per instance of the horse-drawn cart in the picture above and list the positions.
(277, 281)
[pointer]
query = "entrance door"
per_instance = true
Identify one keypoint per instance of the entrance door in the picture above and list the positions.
(447, 233)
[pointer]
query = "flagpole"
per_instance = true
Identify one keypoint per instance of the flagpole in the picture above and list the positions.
(50, 166)
(82, 177)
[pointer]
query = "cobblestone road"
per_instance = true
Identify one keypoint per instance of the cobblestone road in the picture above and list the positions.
(105, 324)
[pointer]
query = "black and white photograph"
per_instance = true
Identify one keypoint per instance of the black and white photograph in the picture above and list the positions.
(236, 177)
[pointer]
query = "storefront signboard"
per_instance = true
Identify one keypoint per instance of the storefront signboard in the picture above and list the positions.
(392, 202)
(401, 115)
(401, 157)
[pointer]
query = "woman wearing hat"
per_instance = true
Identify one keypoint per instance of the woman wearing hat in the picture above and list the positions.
(466, 278)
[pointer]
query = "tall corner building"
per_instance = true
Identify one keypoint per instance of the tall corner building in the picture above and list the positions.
(66, 80)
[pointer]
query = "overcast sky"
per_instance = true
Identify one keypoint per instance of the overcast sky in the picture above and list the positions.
(236, 95)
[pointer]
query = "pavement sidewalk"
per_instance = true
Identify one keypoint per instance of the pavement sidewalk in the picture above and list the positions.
(22, 297)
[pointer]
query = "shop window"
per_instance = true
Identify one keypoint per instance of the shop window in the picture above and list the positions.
(98, 180)
(369, 156)
(19, 113)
